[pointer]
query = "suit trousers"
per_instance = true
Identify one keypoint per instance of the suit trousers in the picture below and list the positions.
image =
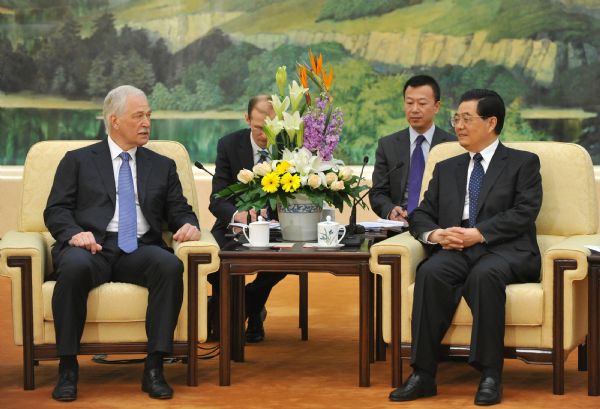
(77, 271)
(441, 280)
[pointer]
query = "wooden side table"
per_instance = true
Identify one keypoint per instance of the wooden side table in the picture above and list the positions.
(239, 261)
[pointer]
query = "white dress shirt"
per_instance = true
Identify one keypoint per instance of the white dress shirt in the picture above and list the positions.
(142, 223)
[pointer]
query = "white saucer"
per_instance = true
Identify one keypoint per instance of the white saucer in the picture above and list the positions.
(268, 246)
(335, 246)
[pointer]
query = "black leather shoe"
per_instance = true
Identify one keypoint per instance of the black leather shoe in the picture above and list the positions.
(256, 331)
(153, 383)
(489, 392)
(66, 387)
(416, 386)
(213, 319)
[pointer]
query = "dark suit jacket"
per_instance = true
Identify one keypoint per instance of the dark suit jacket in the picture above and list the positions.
(234, 153)
(392, 150)
(508, 204)
(83, 195)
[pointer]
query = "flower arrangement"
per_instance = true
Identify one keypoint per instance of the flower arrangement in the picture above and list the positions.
(301, 142)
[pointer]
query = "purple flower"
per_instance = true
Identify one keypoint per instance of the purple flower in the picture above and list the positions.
(316, 137)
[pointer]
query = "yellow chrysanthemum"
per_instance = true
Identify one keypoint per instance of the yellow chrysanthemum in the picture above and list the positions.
(270, 182)
(290, 183)
(282, 167)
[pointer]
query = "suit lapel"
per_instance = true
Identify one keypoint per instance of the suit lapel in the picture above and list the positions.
(103, 163)
(143, 170)
(402, 151)
(438, 137)
(244, 151)
(460, 176)
(493, 171)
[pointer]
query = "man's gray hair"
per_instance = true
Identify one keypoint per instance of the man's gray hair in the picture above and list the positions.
(115, 101)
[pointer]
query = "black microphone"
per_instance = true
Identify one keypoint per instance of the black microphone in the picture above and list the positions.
(352, 228)
(201, 167)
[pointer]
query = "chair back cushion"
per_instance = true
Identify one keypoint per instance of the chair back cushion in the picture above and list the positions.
(569, 206)
(42, 161)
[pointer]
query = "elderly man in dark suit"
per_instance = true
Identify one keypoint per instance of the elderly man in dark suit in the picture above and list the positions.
(478, 219)
(105, 210)
(396, 194)
(242, 150)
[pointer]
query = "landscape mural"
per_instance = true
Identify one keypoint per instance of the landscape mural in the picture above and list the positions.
(200, 61)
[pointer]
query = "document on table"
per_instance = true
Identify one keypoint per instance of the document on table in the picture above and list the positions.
(382, 224)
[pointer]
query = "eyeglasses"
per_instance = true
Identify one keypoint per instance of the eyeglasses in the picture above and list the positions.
(466, 118)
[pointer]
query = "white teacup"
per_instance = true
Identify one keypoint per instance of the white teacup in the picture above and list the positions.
(258, 233)
(328, 233)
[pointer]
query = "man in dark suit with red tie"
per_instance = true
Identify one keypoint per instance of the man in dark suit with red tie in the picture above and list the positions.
(396, 194)
(106, 209)
(242, 150)
(478, 219)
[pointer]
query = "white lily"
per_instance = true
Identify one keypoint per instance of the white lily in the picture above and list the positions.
(296, 94)
(280, 106)
(272, 127)
(291, 123)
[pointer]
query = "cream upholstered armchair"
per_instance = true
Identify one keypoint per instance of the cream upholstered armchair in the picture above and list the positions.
(544, 321)
(116, 311)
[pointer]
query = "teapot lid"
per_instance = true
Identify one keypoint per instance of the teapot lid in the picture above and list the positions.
(260, 220)
(328, 220)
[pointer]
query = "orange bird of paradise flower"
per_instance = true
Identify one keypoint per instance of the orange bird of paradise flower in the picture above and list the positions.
(327, 80)
(317, 64)
(303, 76)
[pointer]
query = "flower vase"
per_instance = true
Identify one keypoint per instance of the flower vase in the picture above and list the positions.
(299, 219)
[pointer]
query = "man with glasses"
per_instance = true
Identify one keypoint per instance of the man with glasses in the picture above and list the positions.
(396, 193)
(478, 219)
(241, 150)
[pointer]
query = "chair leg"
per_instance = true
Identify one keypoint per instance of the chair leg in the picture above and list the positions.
(582, 357)
(28, 367)
(303, 313)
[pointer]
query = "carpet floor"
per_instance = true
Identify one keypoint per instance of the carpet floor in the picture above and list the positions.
(283, 371)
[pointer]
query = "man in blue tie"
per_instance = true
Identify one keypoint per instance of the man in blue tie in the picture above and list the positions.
(106, 210)
(396, 194)
(477, 219)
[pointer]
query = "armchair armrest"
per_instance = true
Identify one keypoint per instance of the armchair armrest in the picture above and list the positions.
(23, 244)
(572, 248)
(411, 251)
(24, 257)
(206, 245)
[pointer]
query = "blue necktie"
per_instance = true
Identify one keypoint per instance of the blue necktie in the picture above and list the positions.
(474, 187)
(127, 235)
(415, 175)
(263, 155)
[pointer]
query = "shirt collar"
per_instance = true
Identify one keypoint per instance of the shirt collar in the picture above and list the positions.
(255, 147)
(115, 150)
(428, 134)
(487, 152)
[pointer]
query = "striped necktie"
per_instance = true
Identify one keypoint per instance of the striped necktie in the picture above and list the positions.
(127, 235)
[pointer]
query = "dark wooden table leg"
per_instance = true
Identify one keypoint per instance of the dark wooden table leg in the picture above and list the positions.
(593, 352)
(364, 337)
(192, 375)
(303, 312)
(371, 318)
(225, 319)
(237, 317)
(379, 343)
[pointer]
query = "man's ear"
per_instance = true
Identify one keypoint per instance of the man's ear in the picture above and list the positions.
(493, 122)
